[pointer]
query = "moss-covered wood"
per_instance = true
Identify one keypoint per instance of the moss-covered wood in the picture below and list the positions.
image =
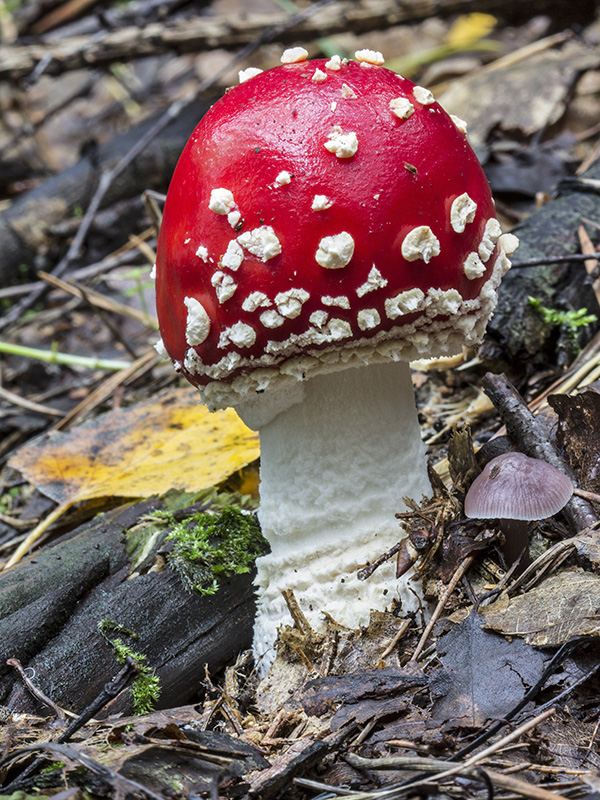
(55, 602)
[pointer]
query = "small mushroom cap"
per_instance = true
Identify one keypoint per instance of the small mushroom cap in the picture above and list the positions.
(339, 219)
(515, 486)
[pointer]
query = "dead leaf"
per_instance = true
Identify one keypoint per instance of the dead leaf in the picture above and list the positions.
(171, 442)
(578, 434)
(467, 28)
(483, 675)
(527, 96)
(563, 606)
(588, 547)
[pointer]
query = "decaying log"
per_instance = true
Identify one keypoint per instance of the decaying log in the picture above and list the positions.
(519, 331)
(178, 632)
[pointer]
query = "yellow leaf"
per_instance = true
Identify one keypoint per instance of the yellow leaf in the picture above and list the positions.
(470, 27)
(172, 442)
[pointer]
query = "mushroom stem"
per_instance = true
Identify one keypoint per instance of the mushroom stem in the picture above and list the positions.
(516, 539)
(334, 470)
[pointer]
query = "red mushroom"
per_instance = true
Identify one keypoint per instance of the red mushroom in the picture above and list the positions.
(326, 223)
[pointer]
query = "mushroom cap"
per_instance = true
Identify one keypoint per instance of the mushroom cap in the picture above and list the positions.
(515, 486)
(323, 214)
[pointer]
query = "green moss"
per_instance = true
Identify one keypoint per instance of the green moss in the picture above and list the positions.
(208, 545)
(570, 320)
(145, 689)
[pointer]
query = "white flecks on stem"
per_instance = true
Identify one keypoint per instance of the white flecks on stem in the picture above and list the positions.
(221, 201)
(462, 212)
(343, 145)
(335, 251)
(261, 242)
(420, 243)
(202, 252)
(197, 325)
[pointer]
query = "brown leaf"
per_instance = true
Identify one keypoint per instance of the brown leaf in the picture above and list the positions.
(483, 675)
(563, 606)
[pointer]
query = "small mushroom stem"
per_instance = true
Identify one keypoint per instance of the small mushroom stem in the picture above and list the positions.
(334, 470)
(516, 540)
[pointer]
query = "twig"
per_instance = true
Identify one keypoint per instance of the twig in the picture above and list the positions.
(444, 597)
(539, 262)
(29, 405)
(398, 635)
(111, 689)
(99, 300)
(33, 689)
(505, 781)
(54, 357)
(63, 752)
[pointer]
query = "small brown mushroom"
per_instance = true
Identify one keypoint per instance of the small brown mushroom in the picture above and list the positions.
(516, 489)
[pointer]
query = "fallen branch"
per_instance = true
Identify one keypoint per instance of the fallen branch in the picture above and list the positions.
(225, 32)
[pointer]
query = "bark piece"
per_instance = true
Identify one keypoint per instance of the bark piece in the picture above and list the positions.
(517, 329)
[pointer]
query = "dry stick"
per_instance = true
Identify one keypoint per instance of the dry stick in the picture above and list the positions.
(174, 110)
(530, 434)
(442, 771)
(37, 693)
(460, 571)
